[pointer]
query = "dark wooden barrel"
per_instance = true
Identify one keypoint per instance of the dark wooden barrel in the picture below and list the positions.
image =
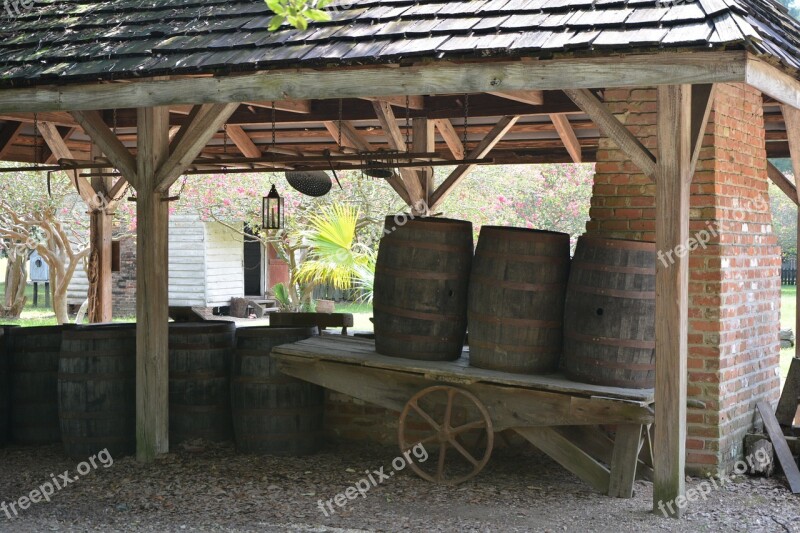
(4, 392)
(97, 390)
(272, 413)
(199, 380)
(516, 299)
(421, 284)
(34, 384)
(609, 317)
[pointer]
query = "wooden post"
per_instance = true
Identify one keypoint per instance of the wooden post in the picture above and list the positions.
(425, 141)
(100, 234)
(672, 293)
(152, 313)
(791, 116)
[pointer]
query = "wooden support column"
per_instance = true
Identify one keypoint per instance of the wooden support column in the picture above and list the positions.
(672, 294)
(152, 313)
(424, 140)
(100, 234)
(791, 117)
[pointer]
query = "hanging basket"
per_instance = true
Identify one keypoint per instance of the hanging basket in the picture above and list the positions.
(310, 182)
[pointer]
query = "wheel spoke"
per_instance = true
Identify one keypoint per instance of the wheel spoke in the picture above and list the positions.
(428, 439)
(426, 417)
(466, 427)
(464, 452)
(449, 410)
(440, 467)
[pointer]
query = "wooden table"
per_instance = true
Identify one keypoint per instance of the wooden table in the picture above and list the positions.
(559, 416)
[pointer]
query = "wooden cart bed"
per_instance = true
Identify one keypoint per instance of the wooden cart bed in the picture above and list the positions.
(559, 416)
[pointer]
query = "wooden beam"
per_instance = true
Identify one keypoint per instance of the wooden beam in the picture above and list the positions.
(199, 132)
(101, 226)
(672, 295)
(525, 97)
(571, 457)
(450, 137)
(290, 106)
(615, 130)
(416, 102)
(243, 142)
(702, 104)
(772, 81)
(94, 126)
(567, 135)
(438, 77)
(786, 412)
(424, 140)
(480, 151)
(60, 151)
(624, 461)
(410, 178)
(351, 138)
(152, 287)
(783, 183)
(782, 451)
(8, 133)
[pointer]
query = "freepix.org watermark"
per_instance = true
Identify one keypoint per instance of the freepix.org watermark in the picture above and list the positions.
(15, 8)
(373, 479)
(760, 458)
(56, 483)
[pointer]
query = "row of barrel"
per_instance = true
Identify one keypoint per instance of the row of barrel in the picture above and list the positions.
(529, 308)
(77, 385)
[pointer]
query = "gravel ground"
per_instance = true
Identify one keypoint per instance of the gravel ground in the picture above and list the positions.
(209, 488)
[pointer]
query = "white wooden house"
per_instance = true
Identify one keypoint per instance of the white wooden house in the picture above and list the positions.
(206, 265)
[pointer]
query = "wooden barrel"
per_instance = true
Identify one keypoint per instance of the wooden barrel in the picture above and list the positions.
(34, 384)
(609, 317)
(272, 413)
(97, 390)
(4, 383)
(421, 284)
(516, 299)
(199, 380)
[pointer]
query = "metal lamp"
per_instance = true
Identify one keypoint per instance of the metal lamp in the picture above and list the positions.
(272, 210)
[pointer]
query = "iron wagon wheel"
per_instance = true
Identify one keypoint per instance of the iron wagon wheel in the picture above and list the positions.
(445, 434)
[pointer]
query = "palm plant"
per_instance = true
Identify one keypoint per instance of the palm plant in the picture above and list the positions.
(334, 255)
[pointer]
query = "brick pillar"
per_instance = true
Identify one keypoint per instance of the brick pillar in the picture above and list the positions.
(734, 278)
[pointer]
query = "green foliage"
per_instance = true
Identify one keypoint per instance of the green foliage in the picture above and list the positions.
(281, 293)
(784, 220)
(297, 13)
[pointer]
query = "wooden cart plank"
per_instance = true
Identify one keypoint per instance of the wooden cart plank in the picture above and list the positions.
(362, 352)
(510, 407)
(781, 448)
(787, 406)
(561, 450)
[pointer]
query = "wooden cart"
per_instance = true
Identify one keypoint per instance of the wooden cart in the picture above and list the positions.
(560, 417)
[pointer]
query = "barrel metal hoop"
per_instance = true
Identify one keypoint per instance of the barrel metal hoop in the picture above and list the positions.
(407, 313)
(436, 246)
(516, 258)
(493, 319)
(613, 293)
(605, 363)
(518, 285)
(610, 341)
(513, 347)
(602, 267)
(120, 376)
(192, 376)
(420, 274)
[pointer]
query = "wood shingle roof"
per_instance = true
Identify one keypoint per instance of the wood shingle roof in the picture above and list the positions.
(85, 40)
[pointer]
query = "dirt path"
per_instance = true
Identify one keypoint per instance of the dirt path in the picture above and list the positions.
(215, 489)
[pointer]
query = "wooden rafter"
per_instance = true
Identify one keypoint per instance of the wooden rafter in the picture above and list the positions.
(243, 142)
(119, 156)
(450, 136)
(567, 135)
(783, 183)
(526, 97)
(383, 110)
(8, 133)
(461, 171)
(351, 138)
(791, 116)
(199, 132)
(614, 129)
(702, 104)
(291, 106)
(59, 148)
(414, 102)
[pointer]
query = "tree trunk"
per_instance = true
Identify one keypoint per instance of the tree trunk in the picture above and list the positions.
(58, 291)
(16, 282)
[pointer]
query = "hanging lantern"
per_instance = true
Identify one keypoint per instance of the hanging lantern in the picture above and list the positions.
(272, 210)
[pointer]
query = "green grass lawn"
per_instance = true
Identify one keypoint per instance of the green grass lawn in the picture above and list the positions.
(362, 312)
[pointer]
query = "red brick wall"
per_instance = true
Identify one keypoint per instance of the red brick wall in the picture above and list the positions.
(123, 283)
(734, 280)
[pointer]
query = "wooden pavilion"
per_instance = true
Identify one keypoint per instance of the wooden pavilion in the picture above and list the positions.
(150, 91)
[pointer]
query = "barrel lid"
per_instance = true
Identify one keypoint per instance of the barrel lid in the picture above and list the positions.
(268, 331)
(39, 330)
(416, 219)
(204, 326)
(525, 233)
